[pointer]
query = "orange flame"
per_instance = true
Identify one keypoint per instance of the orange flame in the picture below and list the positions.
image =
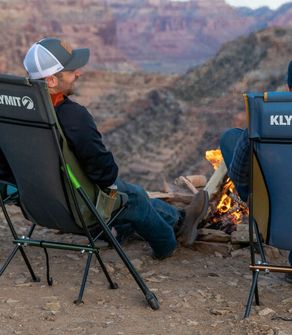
(226, 205)
(214, 157)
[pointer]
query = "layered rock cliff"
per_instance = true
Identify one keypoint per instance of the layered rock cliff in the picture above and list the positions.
(160, 127)
(151, 35)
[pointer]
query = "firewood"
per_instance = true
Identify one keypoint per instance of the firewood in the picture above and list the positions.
(166, 186)
(216, 180)
(184, 181)
(172, 196)
(197, 180)
(212, 248)
(213, 235)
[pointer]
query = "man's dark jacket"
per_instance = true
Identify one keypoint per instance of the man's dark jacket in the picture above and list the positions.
(85, 141)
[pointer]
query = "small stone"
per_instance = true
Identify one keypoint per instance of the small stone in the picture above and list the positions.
(110, 268)
(74, 257)
(94, 270)
(21, 280)
(185, 262)
(209, 248)
(52, 306)
(233, 283)
(216, 323)
(137, 263)
(266, 311)
(11, 301)
(244, 252)
(287, 300)
(50, 316)
(148, 274)
(154, 280)
(212, 235)
(217, 311)
(271, 252)
(192, 322)
(166, 292)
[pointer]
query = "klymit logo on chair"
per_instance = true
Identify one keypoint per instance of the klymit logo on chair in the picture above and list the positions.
(9, 100)
(27, 102)
(280, 120)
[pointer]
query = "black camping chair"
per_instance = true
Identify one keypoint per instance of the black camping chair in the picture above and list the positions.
(270, 135)
(52, 189)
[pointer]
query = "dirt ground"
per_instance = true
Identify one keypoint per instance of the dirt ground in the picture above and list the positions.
(199, 293)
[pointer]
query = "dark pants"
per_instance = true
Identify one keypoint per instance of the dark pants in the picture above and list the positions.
(153, 219)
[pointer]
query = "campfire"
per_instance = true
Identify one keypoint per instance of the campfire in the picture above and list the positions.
(227, 210)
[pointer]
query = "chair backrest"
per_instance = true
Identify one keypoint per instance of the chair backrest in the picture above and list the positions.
(270, 133)
(30, 141)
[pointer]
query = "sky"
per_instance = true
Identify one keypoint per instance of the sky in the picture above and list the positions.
(273, 4)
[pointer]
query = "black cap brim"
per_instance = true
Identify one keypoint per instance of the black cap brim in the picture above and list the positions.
(79, 58)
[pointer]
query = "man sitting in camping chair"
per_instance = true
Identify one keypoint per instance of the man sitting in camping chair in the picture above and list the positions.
(156, 221)
(234, 146)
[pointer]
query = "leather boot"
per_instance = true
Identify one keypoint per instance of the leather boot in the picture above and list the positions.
(194, 214)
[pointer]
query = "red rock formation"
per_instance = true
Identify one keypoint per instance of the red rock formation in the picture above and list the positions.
(153, 34)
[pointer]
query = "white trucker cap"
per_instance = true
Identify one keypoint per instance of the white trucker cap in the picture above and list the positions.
(52, 55)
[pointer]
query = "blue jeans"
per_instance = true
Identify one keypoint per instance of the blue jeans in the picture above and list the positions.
(153, 219)
(228, 143)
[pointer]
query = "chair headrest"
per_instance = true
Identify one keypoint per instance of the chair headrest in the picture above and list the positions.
(24, 100)
(270, 116)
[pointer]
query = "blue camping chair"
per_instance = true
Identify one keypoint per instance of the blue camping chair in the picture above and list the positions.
(270, 135)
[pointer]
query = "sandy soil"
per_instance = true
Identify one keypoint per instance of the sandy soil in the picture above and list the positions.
(199, 293)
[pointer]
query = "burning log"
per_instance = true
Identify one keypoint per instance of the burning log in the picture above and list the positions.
(216, 180)
(184, 181)
(191, 182)
(226, 208)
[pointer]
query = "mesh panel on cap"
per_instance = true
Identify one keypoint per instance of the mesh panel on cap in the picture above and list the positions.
(45, 59)
(40, 62)
(29, 61)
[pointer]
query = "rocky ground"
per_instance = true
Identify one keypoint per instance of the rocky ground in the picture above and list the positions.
(200, 293)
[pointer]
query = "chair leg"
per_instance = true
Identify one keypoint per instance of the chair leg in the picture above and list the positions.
(256, 293)
(26, 260)
(112, 284)
(79, 300)
(150, 296)
(49, 278)
(12, 254)
(33, 276)
(8, 259)
(253, 291)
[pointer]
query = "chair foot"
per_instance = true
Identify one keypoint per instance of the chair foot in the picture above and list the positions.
(50, 281)
(113, 286)
(152, 300)
(253, 292)
(78, 302)
(36, 279)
